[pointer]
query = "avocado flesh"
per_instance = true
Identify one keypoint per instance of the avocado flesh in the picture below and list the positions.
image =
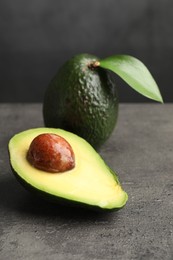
(91, 182)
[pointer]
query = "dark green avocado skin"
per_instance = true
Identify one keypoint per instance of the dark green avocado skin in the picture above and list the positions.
(58, 200)
(83, 100)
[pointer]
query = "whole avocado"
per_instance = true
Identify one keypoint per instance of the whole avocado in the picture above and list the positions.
(82, 99)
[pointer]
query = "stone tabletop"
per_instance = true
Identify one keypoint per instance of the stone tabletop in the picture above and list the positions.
(140, 150)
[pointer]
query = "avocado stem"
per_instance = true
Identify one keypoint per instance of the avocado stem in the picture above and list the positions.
(94, 64)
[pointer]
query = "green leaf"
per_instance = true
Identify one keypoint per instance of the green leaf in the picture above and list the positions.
(134, 73)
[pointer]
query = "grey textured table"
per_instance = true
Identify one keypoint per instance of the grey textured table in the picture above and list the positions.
(140, 150)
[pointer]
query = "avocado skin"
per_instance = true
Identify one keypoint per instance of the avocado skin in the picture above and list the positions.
(59, 200)
(82, 100)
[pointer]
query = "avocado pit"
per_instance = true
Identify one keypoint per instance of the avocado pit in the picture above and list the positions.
(51, 153)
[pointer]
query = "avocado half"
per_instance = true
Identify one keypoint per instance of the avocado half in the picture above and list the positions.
(91, 182)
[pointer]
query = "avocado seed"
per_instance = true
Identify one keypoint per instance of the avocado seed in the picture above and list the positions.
(51, 153)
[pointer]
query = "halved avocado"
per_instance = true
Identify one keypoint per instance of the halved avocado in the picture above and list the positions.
(91, 182)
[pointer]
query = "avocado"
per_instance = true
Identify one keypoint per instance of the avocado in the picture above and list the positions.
(90, 182)
(82, 98)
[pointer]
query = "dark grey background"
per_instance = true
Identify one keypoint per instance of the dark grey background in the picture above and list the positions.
(37, 36)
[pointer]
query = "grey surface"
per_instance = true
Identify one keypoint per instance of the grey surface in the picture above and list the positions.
(38, 36)
(140, 150)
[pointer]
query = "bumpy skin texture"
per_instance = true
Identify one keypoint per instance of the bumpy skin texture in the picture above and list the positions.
(82, 100)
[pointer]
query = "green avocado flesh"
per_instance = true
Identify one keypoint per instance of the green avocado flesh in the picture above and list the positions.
(82, 99)
(91, 182)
